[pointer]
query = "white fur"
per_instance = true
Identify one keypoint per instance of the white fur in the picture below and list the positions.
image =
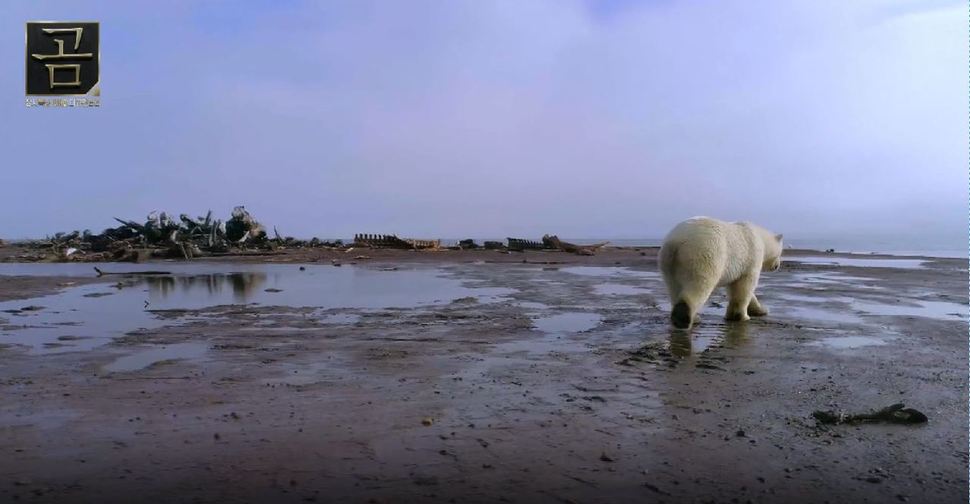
(701, 254)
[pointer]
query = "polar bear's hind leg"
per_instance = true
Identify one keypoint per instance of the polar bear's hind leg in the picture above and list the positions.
(740, 295)
(755, 308)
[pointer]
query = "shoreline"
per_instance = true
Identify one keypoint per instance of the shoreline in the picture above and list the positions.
(9, 248)
(9, 254)
(568, 386)
(23, 283)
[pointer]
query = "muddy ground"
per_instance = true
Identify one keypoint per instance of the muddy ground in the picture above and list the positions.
(569, 387)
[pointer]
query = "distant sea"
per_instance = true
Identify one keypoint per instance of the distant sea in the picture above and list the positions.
(846, 246)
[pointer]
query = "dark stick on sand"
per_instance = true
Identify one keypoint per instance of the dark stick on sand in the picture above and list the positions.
(131, 273)
(897, 414)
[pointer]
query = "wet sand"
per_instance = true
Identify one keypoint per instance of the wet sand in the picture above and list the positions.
(554, 380)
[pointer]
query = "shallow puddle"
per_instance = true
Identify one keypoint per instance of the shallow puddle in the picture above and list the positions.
(609, 271)
(813, 299)
(821, 281)
(915, 308)
(571, 322)
(613, 289)
(145, 358)
(859, 262)
(557, 329)
(558, 336)
(319, 286)
(843, 342)
(72, 321)
(91, 320)
(810, 313)
(532, 305)
(199, 285)
(341, 318)
(853, 307)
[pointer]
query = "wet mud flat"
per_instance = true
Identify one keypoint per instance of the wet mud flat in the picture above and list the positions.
(554, 380)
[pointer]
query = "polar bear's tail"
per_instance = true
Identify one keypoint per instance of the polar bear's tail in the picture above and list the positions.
(680, 315)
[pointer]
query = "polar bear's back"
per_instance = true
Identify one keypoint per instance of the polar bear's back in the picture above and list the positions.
(707, 248)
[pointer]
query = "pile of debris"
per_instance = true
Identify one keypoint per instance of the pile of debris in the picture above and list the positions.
(185, 237)
(164, 236)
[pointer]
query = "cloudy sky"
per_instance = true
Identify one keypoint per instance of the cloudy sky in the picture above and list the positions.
(450, 118)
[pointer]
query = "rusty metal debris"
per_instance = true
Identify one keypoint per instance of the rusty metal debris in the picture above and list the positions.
(553, 241)
(392, 241)
(520, 245)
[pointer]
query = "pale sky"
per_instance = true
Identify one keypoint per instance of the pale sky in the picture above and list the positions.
(454, 118)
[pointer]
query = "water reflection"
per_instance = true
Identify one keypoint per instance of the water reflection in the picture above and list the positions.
(735, 334)
(312, 286)
(680, 343)
(686, 343)
(242, 285)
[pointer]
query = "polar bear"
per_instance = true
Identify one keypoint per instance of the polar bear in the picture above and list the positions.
(701, 254)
